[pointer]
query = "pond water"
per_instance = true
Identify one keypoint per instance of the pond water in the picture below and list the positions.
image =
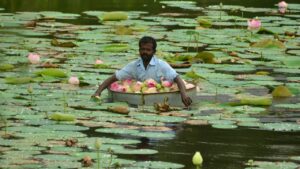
(236, 116)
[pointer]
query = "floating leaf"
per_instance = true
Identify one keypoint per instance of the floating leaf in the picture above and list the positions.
(254, 100)
(268, 43)
(114, 16)
(6, 67)
(281, 126)
(281, 91)
(116, 48)
(135, 151)
(62, 117)
(204, 22)
(224, 126)
(157, 165)
(52, 72)
(18, 80)
(205, 57)
(55, 42)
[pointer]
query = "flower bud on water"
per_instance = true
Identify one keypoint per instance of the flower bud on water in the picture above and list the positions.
(98, 144)
(197, 159)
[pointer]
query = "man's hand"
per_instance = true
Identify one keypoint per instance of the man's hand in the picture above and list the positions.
(96, 95)
(186, 100)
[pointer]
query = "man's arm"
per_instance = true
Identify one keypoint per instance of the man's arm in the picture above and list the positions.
(104, 85)
(184, 97)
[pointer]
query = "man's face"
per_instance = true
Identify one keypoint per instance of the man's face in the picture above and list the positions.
(146, 51)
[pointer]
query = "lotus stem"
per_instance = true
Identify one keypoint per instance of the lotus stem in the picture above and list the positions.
(98, 158)
(5, 127)
(216, 95)
(111, 156)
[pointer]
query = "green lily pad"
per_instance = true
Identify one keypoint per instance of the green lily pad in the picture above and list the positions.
(6, 67)
(52, 72)
(64, 127)
(117, 131)
(224, 126)
(157, 165)
(275, 165)
(136, 151)
(281, 126)
(116, 48)
(18, 80)
(114, 16)
(269, 43)
(154, 135)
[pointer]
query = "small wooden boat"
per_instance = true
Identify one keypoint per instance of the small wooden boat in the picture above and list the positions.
(174, 98)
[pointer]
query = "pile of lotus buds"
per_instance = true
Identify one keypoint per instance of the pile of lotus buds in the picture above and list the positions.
(148, 86)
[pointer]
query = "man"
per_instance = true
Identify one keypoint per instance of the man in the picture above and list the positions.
(148, 66)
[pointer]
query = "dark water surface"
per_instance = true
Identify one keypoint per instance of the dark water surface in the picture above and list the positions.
(220, 148)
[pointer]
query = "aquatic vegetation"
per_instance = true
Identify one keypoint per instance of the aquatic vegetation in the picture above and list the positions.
(282, 7)
(214, 49)
(254, 24)
(98, 146)
(73, 80)
(34, 58)
(197, 160)
(53, 72)
(114, 16)
(281, 91)
(6, 67)
(62, 117)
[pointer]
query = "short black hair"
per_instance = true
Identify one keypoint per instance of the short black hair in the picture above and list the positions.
(148, 39)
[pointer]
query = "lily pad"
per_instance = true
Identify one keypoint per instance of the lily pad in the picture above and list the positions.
(281, 126)
(158, 165)
(52, 72)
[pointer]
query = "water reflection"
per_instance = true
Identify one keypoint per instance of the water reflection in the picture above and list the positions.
(228, 149)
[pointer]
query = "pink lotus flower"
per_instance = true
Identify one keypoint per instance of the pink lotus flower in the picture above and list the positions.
(254, 24)
(282, 4)
(127, 82)
(34, 58)
(74, 80)
(137, 87)
(166, 83)
(282, 7)
(98, 62)
(115, 86)
(150, 83)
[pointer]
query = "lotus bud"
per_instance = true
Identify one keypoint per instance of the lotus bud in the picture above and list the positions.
(166, 83)
(98, 62)
(254, 24)
(30, 89)
(282, 7)
(137, 86)
(114, 86)
(127, 82)
(74, 80)
(150, 83)
(34, 58)
(197, 159)
(98, 144)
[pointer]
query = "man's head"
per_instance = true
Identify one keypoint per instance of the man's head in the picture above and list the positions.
(147, 48)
